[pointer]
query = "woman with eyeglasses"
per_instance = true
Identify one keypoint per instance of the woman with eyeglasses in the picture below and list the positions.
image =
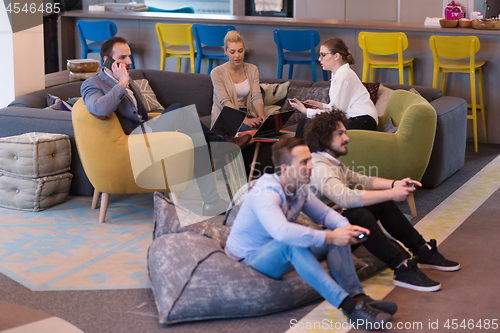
(347, 93)
(236, 84)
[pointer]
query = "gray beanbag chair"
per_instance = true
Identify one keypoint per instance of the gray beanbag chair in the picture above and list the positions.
(193, 279)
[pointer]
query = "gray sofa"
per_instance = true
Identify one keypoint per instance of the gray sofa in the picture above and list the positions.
(28, 114)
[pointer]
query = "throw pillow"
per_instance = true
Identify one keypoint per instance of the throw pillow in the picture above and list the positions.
(382, 98)
(372, 89)
(389, 126)
(271, 109)
(320, 94)
(148, 95)
(414, 91)
(274, 93)
(55, 103)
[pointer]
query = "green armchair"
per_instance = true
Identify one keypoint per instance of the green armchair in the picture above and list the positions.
(405, 153)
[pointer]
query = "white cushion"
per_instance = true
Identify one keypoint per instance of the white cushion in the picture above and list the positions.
(35, 154)
(148, 96)
(382, 98)
(274, 93)
(33, 194)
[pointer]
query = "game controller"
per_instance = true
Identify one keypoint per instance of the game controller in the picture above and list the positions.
(362, 235)
(411, 184)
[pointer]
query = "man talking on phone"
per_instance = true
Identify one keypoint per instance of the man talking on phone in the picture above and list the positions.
(112, 90)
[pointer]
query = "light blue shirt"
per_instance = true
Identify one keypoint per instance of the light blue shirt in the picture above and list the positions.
(268, 213)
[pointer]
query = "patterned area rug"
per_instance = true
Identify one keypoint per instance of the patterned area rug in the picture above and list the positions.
(438, 224)
(65, 248)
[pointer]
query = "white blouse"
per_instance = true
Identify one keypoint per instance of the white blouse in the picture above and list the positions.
(348, 94)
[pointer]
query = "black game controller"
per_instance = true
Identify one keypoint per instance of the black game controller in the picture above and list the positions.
(411, 184)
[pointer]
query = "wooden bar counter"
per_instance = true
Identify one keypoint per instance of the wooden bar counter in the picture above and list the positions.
(139, 29)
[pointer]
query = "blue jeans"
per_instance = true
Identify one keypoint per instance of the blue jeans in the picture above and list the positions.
(274, 259)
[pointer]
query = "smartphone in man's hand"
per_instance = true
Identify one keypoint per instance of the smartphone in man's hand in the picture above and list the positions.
(109, 62)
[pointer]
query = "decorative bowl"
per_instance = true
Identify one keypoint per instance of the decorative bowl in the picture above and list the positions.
(464, 23)
(79, 76)
(486, 24)
(448, 23)
(83, 65)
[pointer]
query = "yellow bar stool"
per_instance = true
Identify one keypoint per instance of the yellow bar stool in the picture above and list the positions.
(445, 51)
(377, 46)
(180, 38)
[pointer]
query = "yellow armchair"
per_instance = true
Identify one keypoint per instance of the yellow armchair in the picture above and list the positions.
(405, 153)
(116, 163)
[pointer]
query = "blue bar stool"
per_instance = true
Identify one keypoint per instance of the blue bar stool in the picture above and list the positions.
(292, 46)
(187, 10)
(209, 43)
(97, 32)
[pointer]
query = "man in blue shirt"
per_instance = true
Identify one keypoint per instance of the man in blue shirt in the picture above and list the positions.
(265, 237)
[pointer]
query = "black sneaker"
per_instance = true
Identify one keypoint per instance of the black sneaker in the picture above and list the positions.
(430, 258)
(385, 306)
(366, 317)
(407, 275)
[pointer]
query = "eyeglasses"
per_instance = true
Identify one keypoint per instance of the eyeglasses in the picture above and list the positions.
(322, 55)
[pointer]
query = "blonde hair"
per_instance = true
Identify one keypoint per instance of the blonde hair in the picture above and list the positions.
(233, 37)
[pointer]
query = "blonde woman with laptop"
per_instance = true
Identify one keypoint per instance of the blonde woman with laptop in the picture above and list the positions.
(236, 84)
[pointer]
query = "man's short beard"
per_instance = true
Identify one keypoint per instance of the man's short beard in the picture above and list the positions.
(339, 153)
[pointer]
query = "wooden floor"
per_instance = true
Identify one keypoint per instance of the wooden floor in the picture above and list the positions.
(21, 319)
(469, 299)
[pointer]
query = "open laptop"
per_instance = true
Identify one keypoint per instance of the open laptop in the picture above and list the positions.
(271, 127)
(229, 121)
